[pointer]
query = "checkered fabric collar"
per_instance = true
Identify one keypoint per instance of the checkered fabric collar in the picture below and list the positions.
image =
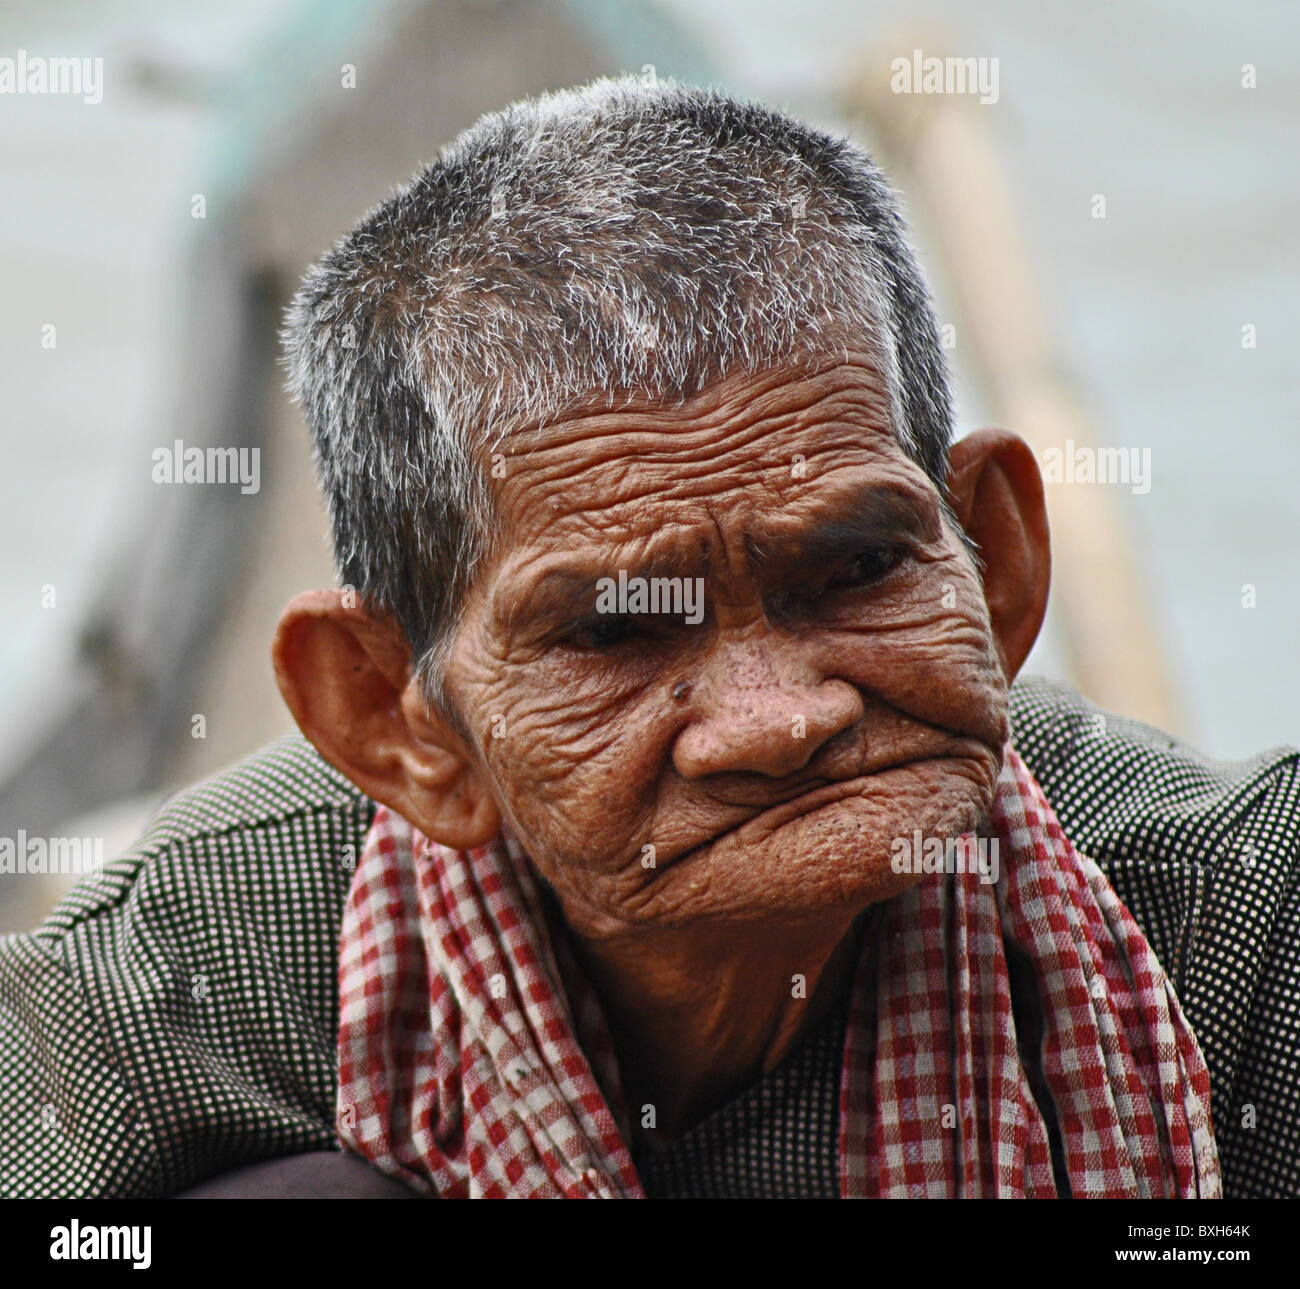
(472, 1063)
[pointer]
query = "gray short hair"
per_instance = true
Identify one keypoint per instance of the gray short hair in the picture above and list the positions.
(619, 239)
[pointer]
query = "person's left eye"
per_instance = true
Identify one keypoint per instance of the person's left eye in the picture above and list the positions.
(866, 567)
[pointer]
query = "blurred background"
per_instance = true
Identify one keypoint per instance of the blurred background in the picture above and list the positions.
(1105, 196)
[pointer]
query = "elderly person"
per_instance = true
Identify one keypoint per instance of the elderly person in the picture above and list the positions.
(675, 841)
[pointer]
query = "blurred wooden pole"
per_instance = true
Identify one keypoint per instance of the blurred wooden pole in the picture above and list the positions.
(939, 149)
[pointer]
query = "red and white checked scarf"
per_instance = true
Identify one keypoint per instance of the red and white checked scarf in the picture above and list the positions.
(461, 1072)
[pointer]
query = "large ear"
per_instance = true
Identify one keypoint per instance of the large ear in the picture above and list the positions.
(997, 493)
(347, 678)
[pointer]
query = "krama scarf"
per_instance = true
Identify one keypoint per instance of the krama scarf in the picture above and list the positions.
(462, 1071)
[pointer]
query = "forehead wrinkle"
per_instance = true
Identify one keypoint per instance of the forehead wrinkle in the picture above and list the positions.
(770, 402)
(712, 399)
(758, 456)
(753, 444)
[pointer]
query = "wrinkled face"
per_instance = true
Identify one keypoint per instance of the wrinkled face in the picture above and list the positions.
(838, 689)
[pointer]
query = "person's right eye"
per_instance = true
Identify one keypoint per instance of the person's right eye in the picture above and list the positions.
(604, 632)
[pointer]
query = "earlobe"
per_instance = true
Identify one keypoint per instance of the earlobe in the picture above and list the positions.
(347, 679)
(996, 492)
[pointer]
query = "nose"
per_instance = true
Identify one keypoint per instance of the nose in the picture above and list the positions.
(759, 707)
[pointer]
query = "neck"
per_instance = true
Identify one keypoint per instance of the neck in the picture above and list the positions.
(697, 1014)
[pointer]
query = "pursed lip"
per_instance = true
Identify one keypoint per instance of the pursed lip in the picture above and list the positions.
(777, 816)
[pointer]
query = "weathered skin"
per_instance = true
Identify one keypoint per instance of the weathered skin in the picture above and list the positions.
(844, 689)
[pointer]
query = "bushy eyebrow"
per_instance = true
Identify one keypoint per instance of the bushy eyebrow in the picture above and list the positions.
(566, 592)
(879, 515)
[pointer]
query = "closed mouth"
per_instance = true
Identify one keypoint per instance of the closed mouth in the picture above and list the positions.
(767, 821)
